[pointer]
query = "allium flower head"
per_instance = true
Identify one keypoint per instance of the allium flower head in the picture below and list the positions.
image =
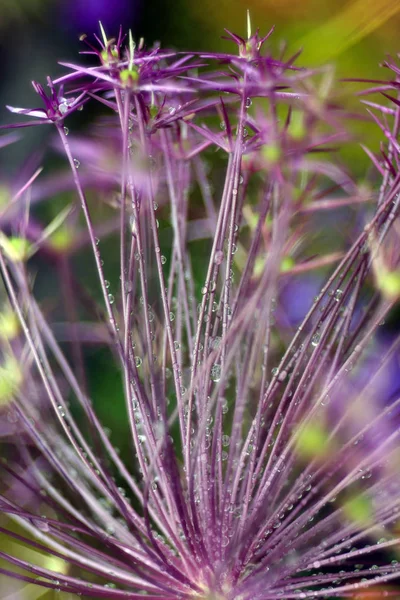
(262, 458)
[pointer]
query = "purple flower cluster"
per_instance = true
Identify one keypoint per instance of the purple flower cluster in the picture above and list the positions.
(263, 423)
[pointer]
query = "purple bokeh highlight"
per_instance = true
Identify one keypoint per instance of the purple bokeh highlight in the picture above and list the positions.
(84, 16)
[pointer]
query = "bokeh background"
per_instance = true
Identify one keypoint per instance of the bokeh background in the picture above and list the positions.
(35, 34)
(356, 33)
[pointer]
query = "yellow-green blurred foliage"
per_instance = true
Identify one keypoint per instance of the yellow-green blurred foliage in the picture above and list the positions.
(356, 33)
(20, 10)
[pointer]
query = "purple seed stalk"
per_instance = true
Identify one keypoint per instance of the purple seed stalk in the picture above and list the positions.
(262, 458)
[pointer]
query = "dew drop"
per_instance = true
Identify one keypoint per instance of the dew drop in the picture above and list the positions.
(216, 372)
(282, 376)
(216, 342)
(225, 440)
(138, 361)
(77, 163)
(66, 130)
(42, 525)
(63, 106)
(325, 400)
(338, 294)
(315, 339)
(111, 298)
(12, 417)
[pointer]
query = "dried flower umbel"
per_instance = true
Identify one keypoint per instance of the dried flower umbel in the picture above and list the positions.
(266, 457)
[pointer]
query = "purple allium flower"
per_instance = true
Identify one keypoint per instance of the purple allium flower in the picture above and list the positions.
(263, 461)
